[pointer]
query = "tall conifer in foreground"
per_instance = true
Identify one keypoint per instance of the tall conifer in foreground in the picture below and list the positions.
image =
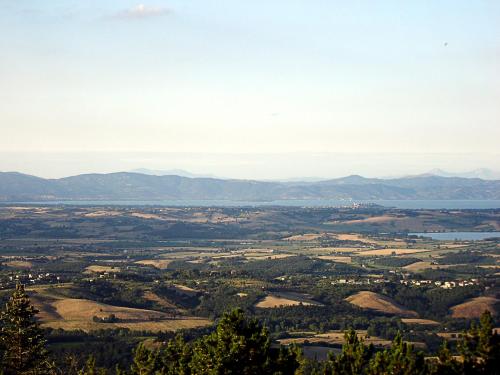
(21, 339)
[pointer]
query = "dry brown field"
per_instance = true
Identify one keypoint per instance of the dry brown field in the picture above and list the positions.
(335, 258)
(102, 213)
(330, 250)
(153, 326)
(374, 219)
(474, 308)
(157, 263)
(392, 251)
(304, 237)
(185, 289)
(337, 338)
(101, 269)
(19, 264)
(151, 296)
(267, 256)
(418, 266)
(377, 302)
(71, 314)
(353, 237)
(273, 301)
(142, 215)
(425, 322)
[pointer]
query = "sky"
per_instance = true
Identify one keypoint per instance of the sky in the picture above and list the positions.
(249, 89)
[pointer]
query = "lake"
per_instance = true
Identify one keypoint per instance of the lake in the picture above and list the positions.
(403, 204)
(462, 236)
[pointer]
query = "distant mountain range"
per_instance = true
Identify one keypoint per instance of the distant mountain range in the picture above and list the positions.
(172, 172)
(16, 186)
(483, 173)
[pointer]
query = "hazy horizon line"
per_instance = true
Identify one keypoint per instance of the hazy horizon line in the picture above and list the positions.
(305, 179)
(256, 166)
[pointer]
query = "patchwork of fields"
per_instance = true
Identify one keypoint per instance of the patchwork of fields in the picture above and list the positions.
(309, 273)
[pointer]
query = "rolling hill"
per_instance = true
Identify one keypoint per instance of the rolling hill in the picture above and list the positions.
(16, 186)
(474, 307)
(377, 302)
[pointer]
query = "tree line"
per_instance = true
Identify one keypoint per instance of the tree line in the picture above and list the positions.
(240, 345)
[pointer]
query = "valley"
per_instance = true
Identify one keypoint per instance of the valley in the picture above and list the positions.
(147, 272)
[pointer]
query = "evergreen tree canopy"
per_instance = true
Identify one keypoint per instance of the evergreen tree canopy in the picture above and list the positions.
(238, 346)
(21, 339)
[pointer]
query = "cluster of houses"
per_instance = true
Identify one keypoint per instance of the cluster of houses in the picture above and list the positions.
(408, 282)
(441, 284)
(29, 278)
(360, 281)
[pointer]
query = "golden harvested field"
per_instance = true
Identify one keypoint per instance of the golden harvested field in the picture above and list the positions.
(71, 314)
(336, 258)
(330, 250)
(396, 242)
(102, 213)
(267, 256)
(83, 309)
(101, 269)
(47, 290)
(151, 296)
(353, 237)
(333, 337)
(19, 264)
(425, 322)
(377, 302)
(255, 251)
(146, 216)
(337, 338)
(419, 266)
(185, 289)
(474, 308)
(392, 251)
(157, 263)
(374, 219)
(153, 326)
(47, 312)
(304, 237)
(273, 301)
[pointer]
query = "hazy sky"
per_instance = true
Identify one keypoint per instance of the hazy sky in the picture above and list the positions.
(260, 77)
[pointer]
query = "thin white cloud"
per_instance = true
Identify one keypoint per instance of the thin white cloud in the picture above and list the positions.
(143, 11)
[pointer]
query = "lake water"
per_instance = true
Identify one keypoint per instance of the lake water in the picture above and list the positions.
(463, 236)
(403, 204)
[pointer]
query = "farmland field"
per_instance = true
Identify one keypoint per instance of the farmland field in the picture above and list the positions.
(308, 273)
(374, 301)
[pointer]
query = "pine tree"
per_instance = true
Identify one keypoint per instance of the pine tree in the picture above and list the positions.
(446, 364)
(240, 346)
(480, 348)
(399, 359)
(175, 358)
(145, 361)
(354, 359)
(90, 368)
(21, 338)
